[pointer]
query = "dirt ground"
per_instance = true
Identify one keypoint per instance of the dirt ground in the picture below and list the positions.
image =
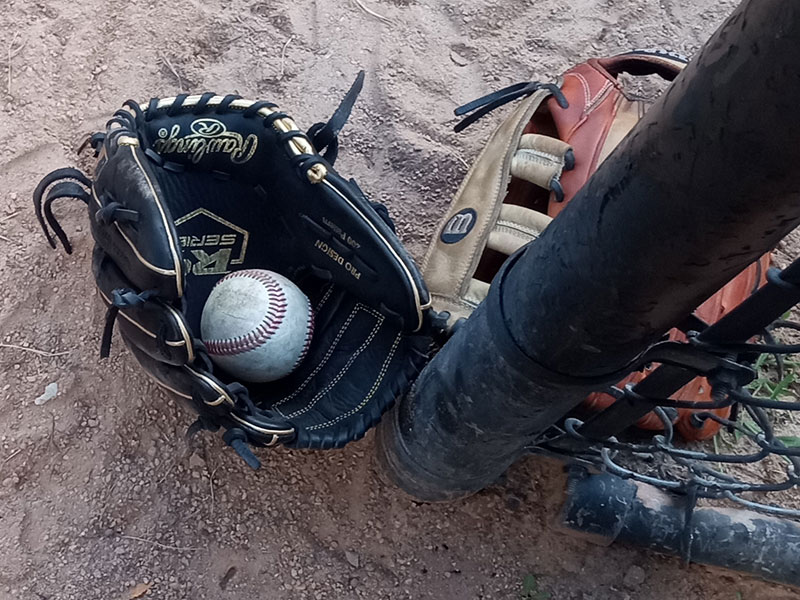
(100, 495)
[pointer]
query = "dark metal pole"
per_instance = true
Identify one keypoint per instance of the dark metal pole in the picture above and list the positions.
(608, 509)
(751, 317)
(708, 181)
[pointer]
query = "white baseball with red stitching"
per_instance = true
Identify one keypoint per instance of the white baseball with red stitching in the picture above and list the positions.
(257, 325)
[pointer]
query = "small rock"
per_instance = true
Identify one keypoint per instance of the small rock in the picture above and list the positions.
(634, 576)
(458, 59)
(352, 558)
(513, 502)
(50, 392)
(223, 583)
(196, 462)
(572, 564)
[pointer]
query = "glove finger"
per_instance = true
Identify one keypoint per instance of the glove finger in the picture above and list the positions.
(154, 326)
(214, 400)
(144, 243)
(205, 394)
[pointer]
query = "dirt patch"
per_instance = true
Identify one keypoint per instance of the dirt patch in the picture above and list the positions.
(101, 496)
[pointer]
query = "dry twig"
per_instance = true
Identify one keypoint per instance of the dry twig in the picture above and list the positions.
(172, 69)
(12, 52)
(12, 455)
(211, 483)
(35, 351)
(52, 439)
(461, 158)
(372, 13)
(283, 57)
(158, 544)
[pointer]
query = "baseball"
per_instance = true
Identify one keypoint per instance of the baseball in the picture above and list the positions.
(257, 325)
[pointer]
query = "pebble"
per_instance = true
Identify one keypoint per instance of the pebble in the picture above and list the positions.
(50, 392)
(634, 576)
(458, 59)
(352, 558)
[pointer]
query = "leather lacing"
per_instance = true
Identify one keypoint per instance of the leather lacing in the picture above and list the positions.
(486, 104)
(122, 298)
(61, 183)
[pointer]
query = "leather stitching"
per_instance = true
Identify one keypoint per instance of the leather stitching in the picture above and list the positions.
(516, 229)
(379, 321)
(585, 84)
(369, 395)
(458, 301)
(598, 97)
(325, 358)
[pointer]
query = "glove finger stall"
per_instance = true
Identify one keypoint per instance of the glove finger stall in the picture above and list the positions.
(211, 398)
(154, 326)
(145, 249)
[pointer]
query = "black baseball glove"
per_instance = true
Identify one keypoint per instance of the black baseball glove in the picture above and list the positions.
(188, 189)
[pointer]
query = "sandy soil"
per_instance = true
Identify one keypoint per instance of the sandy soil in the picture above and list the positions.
(100, 495)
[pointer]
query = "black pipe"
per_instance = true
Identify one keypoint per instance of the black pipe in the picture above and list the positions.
(704, 184)
(751, 317)
(607, 509)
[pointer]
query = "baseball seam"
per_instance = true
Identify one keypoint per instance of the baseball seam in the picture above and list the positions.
(266, 329)
(309, 335)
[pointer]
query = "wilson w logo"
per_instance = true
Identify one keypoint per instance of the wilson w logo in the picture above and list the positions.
(458, 226)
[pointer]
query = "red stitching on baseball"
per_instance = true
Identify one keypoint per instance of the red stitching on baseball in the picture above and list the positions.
(268, 326)
(309, 335)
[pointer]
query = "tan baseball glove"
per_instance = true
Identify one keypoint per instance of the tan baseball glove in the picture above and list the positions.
(531, 167)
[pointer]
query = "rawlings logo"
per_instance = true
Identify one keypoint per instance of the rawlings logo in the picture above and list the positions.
(208, 136)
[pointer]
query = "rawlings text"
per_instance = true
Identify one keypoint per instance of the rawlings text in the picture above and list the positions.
(208, 136)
